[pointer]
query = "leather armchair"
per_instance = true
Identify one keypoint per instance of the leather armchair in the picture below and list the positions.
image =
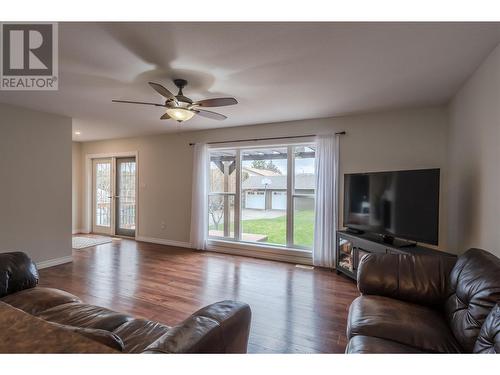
(422, 303)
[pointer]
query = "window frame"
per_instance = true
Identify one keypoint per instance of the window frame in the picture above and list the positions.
(217, 243)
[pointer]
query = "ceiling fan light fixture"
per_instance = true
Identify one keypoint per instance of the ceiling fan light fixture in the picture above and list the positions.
(180, 114)
(180, 108)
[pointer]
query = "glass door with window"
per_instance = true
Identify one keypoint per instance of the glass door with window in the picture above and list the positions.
(125, 197)
(102, 196)
(114, 196)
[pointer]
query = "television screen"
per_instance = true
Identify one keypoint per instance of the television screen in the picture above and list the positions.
(403, 204)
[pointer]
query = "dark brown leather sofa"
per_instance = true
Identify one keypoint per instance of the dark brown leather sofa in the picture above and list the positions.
(426, 304)
(222, 327)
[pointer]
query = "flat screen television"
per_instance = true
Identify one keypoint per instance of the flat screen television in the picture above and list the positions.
(402, 204)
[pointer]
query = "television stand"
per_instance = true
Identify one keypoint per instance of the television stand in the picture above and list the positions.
(351, 247)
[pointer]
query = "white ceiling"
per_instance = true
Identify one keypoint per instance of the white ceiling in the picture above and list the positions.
(277, 71)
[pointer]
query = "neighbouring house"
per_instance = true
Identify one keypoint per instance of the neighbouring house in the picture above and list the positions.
(266, 190)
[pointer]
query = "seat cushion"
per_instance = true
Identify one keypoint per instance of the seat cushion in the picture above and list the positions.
(138, 334)
(36, 300)
(374, 345)
(403, 322)
(87, 316)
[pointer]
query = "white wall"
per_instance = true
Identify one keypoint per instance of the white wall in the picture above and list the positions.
(35, 183)
(474, 160)
(77, 184)
(404, 139)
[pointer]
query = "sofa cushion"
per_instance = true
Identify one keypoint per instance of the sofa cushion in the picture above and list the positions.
(21, 332)
(474, 290)
(421, 279)
(36, 300)
(373, 345)
(403, 322)
(138, 334)
(488, 340)
(82, 315)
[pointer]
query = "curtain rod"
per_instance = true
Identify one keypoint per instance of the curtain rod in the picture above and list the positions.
(267, 139)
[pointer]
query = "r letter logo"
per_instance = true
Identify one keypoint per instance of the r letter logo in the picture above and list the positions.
(29, 56)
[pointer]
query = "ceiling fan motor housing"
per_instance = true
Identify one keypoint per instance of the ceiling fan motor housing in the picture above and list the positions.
(180, 83)
(183, 100)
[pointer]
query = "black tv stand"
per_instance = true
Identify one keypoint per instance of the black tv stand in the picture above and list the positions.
(351, 247)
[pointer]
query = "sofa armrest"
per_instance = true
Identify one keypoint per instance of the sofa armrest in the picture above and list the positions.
(222, 327)
(17, 272)
(488, 340)
(421, 279)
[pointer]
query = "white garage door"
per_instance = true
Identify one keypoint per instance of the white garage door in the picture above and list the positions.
(255, 199)
(278, 200)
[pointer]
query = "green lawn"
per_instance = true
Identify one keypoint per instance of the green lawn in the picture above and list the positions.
(275, 228)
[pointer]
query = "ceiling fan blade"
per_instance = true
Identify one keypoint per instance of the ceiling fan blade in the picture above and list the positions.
(210, 114)
(134, 102)
(216, 102)
(162, 91)
(165, 117)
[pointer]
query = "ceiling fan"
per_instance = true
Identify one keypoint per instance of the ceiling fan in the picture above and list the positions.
(181, 108)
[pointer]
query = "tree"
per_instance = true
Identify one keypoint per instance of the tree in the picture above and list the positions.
(216, 210)
(268, 166)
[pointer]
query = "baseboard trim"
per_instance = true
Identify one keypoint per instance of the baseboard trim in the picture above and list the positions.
(54, 262)
(78, 231)
(162, 241)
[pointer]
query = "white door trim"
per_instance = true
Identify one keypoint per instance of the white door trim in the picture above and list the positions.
(88, 186)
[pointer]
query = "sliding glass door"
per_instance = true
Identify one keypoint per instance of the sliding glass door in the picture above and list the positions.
(263, 195)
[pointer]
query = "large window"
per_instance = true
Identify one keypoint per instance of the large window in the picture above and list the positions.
(263, 195)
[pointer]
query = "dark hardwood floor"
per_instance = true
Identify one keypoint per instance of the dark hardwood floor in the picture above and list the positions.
(294, 310)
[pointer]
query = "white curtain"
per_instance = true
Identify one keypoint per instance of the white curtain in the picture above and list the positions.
(199, 199)
(327, 167)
